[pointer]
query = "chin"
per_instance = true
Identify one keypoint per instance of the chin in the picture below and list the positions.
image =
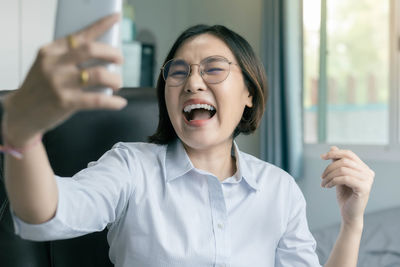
(202, 140)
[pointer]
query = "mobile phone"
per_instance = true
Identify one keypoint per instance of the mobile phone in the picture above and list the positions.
(74, 15)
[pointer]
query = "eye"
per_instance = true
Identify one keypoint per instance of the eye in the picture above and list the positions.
(178, 74)
(177, 69)
(213, 71)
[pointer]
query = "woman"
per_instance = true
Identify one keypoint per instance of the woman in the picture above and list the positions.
(189, 199)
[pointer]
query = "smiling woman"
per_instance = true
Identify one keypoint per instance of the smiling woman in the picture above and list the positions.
(247, 64)
(189, 198)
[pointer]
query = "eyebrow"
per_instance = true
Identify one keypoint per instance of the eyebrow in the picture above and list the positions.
(211, 58)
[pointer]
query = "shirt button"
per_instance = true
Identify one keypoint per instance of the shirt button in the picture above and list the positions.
(221, 226)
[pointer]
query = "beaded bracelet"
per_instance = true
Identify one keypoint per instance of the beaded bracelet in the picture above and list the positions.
(18, 152)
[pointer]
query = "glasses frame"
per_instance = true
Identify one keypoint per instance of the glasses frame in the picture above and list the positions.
(199, 69)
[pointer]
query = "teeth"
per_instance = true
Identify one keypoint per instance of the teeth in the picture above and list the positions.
(189, 108)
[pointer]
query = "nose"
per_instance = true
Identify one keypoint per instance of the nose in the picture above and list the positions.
(194, 81)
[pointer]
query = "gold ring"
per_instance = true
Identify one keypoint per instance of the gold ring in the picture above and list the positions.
(71, 42)
(84, 75)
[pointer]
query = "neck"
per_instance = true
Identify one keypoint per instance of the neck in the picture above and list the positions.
(216, 159)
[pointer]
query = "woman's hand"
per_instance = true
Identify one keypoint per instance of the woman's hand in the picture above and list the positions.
(353, 180)
(52, 90)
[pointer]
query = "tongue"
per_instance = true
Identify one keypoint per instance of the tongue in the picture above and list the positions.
(200, 114)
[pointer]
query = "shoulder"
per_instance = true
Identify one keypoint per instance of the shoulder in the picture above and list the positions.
(134, 155)
(140, 149)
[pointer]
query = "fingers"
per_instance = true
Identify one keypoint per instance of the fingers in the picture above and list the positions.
(95, 30)
(93, 50)
(85, 51)
(83, 37)
(86, 35)
(335, 154)
(346, 169)
(100, 76)
(344, 162)
(80, 100)
(69, 77)
(348, 181)
(69, 94)
(341, 172)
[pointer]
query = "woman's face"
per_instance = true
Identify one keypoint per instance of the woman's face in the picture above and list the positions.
(200, 128)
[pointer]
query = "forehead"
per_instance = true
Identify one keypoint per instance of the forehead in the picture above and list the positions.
(201, 46)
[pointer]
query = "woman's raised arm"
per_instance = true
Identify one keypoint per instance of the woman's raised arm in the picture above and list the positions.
(51, 92)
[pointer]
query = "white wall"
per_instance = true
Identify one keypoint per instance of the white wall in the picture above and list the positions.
(9, 54)
(25, 26)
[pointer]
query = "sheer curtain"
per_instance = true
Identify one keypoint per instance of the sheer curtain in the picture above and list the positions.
(281, 129)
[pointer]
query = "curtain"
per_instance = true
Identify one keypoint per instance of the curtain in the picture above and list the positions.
(281, 129)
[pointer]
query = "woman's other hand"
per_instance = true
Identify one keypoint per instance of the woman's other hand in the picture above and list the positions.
(353, 180)
(52, 90)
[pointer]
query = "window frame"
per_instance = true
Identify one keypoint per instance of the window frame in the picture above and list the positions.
(389, 152)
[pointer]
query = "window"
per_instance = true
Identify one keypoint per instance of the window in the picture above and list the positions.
(349, 95)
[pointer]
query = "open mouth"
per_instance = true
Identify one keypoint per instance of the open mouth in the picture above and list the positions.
(196, 112)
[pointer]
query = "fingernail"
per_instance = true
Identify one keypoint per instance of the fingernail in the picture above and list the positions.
(323, 155)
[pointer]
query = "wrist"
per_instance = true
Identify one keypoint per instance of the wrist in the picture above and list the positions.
(18, 151)
(15, 134)
(19, 125)
(355, 226)
(16, 139)
(20, 144)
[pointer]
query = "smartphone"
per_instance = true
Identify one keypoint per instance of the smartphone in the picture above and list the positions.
(74, 15)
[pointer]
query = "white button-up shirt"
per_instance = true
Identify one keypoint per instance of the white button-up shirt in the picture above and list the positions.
(163, 212)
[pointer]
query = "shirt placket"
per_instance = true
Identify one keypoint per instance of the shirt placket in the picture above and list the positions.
(219, 222)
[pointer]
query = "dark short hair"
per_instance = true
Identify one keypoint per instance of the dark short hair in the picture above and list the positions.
(253, 73)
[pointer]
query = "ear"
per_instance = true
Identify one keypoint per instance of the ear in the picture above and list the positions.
(249, 101)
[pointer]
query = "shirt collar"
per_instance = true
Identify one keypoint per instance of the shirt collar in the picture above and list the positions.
(177, 163)
(244, 169)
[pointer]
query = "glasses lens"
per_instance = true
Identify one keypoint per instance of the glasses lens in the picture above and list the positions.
(175, 72)
(215, 69)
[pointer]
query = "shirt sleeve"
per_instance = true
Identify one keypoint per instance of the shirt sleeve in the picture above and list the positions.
(87, 202)
(297, 245)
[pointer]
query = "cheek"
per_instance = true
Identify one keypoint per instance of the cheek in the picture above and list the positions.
(234, 99)
(171, 101)
(232, 108)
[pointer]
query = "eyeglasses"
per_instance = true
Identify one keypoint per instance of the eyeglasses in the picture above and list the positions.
(214, 69)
